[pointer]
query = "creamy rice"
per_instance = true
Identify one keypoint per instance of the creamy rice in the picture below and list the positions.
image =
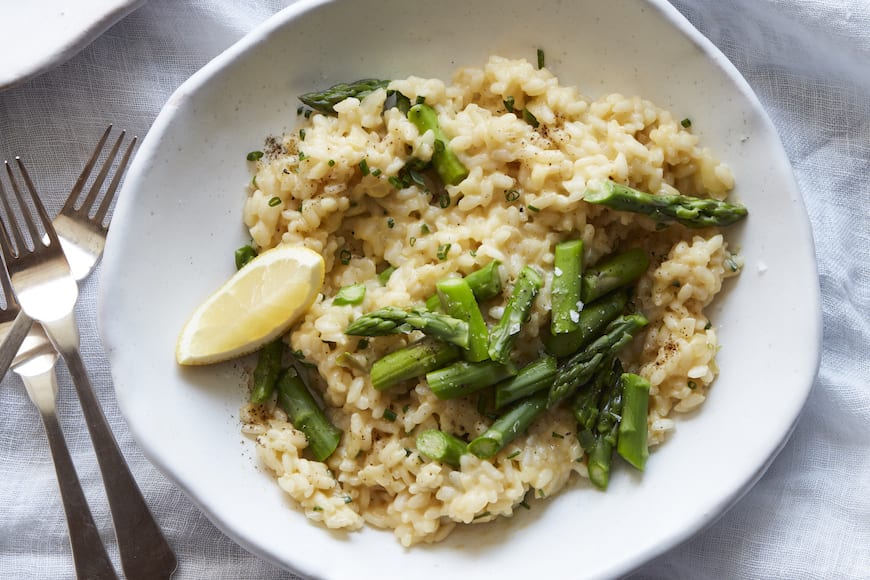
(311, 191)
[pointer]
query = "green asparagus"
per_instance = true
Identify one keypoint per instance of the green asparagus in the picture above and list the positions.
(632, 444)
(596, 409)
(614, 272)
(440, 446)
(582, 366)
(350, 295)
(446, 163)
(566, 301)
(508, 426)
(516, 313)
(485, 283)
(464, 378)
(593, 319)
(692, 212)
(392, 320)
(267, 370)
(533, 377)
(303, 412)
(412, 361)
(457, 300)
(325, 101)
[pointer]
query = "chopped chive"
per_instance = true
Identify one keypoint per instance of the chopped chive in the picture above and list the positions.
(533, 208)
(558, 435)
(676, 284)
(300, 109)
(274, 201)
(391, 223)
(331, 162)
(511, 195)
(362, 344)
(255, 155)
(405, 408)
(686, 123)
(364, 167)
(482, 515)
(376, 172)
(525, 505)
(708, 326)
(693, 385)
(317, 508)
(308, 113)
(389, 415)
(443, 249)
(421, 100)
(412, 241)
(540, 58)
(345, 256)
(396, 182)
(244, 255)
(509, 104)
(444, 200)
(302, 134)
(473, 253)
(424, 229)
(514, 454)
(529, 118)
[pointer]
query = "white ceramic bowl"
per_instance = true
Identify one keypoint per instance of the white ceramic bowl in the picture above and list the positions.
(178, 221)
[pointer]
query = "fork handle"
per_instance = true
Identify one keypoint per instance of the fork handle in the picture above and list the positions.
(16, 335)
(89, 554)
(145, 553)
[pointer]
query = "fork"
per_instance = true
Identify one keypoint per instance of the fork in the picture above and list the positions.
(47, 292)
(81, 238)
(35, 364)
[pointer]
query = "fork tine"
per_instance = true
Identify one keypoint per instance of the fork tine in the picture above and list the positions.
(20, 244)
(101, 176)
(86, 172)
(100, 216)
(40, 209)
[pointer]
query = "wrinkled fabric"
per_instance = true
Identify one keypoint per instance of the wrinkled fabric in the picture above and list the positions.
(809, 63)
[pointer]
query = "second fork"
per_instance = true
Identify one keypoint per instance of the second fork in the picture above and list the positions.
(47, 291)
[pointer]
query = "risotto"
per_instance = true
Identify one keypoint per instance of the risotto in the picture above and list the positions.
(531, 146)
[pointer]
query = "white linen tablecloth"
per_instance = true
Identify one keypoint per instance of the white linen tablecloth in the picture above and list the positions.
(808, 61)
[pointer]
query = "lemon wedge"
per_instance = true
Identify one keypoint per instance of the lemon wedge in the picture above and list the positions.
(257, 305)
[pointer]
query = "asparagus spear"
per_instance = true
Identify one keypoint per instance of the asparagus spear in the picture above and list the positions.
(323, 437)
(464, 378)
(593, 319)
(412, 361)
(582, 366)
(507, 427)
(632, 444)
(597, 414)
(325, 101)
(440, 446)
(392, 320)
(614, 272)
(566, 301)
(485, 283)
(446, 163)
(532, 378)
(692, 212)
(267, 370)
(458, 301)
(516, 313)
